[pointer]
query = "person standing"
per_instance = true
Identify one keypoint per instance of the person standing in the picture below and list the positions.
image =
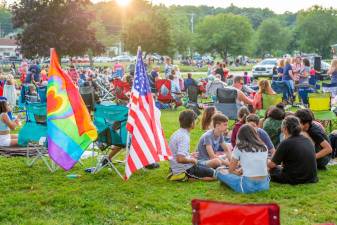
(333, 71)
(118, 70)
(168, 67)
(288, 79)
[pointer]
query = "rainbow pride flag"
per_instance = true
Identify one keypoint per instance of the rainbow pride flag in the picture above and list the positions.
(70, 129)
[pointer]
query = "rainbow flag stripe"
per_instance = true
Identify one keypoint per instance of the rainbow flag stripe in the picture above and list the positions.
(70, 129)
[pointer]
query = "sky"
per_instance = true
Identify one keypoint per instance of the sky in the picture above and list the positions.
(278, 6)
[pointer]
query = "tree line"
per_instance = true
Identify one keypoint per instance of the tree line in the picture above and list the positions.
(75, 27)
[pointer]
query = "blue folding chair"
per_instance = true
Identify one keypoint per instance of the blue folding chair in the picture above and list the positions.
(303, 94)
(330, 88)
(36, 123)
(42, 93)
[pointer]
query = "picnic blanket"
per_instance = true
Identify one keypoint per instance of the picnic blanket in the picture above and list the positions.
(17, 151)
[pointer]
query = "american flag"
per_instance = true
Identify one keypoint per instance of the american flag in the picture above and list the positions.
(148, 144)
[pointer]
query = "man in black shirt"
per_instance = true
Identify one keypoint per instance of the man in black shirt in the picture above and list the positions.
(297, 155)
(322, 146)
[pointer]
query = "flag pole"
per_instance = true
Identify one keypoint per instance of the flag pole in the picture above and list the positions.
(128, 133)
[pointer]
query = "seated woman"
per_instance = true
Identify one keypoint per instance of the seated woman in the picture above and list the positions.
(296, 154)
(206, 118)
(252, 154)
(264, 88)
(7, 139)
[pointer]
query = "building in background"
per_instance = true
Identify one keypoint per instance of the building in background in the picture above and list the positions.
(8, 48)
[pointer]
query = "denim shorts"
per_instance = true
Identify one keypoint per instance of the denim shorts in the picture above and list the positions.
(243, 184)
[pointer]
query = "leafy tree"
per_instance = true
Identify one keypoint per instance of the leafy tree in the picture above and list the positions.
(272, 36)
(151, 31)
(180, 24)
(224, 33)
(316, 29)
(62, 24)
(255, 15)
(6, 26)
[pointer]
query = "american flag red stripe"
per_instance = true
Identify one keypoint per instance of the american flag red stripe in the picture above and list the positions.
(146, 146)
(148, 143)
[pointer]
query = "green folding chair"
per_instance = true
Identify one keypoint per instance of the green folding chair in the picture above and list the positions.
(110, 121)
(320, 105)
(33, 135)
(267, 101)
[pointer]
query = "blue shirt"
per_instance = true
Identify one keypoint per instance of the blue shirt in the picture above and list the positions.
(286, 70)
(265, 138)
(209, 138)
(28, 79)
(280, 70)
(334, 77)
(188, 82)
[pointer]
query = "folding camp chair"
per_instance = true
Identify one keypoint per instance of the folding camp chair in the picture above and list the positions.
(268, 101)
(42, 93)
(226, 102)
(88, 96)
(104, 92)
(110, 121)
(33, 134)
(36, 123)
(192, 103)
(217, 213)
(320, 105)
(41, 152)
(303, 94)
(120, 91)
(330, 88)
(163, 88)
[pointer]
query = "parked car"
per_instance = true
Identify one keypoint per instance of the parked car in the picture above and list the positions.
(264, 68)
(207, 59)
(123, 58)
(11, 59)
(65, 60)
(102, 59)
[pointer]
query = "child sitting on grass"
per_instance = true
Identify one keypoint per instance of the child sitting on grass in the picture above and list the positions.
(251, 153)
(212, 144)
(183, 164)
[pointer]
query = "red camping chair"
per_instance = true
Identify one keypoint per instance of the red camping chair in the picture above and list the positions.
(212, 213)
(121, 89)
(163, 88)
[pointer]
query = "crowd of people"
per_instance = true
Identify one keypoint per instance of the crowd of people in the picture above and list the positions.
(283, 147)
(248, 157)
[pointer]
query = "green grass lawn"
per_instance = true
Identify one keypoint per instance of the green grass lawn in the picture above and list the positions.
(36, 196)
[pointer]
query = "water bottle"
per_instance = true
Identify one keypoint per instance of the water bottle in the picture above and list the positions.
(72, 176)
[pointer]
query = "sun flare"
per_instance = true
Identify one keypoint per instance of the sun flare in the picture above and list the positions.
(123, 3)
